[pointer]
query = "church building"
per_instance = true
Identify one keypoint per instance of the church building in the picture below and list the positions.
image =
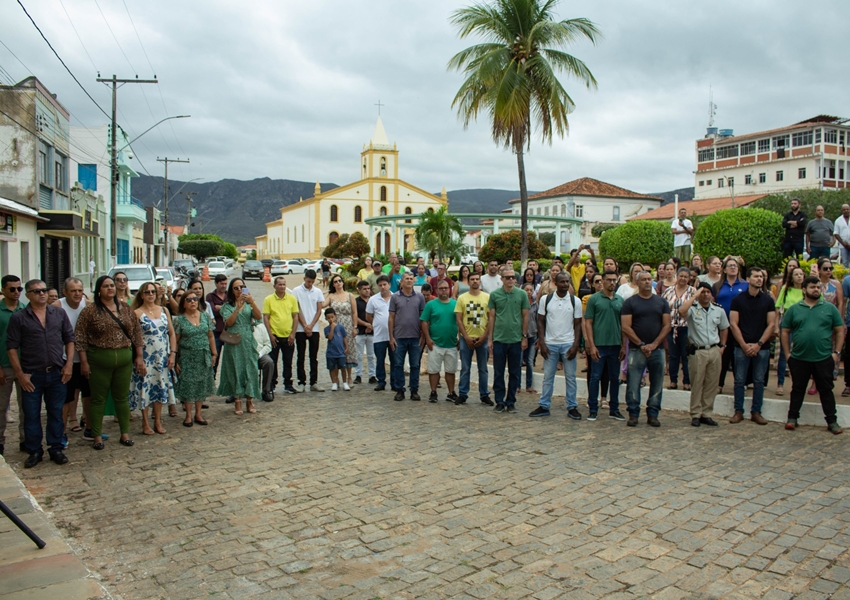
(308, 226)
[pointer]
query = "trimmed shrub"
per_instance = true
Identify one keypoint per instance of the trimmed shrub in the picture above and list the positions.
(597, 230)
(649, 242)
(502, 246)
(754, 234)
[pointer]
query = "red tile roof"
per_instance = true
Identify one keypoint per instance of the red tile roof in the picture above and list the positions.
(587, 186)
(699, 207)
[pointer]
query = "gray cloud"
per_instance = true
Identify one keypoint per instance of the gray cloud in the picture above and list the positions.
(287, 89)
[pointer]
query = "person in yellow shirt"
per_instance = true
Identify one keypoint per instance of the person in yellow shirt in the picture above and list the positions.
(280, 313)
(577, 267)
(472, 315)
(363, 273)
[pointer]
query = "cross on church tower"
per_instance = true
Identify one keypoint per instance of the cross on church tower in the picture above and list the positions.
(379, 105)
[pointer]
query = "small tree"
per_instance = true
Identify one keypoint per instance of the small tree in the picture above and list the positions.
(548, 238)
(649, 242)
(600, 228)
(200, 249)
(754, 234)
(334, 249)
(356, 246)
(437, 231)
(229, 250)
(502, 246)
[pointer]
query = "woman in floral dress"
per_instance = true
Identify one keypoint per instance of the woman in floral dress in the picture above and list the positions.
(154, 388)
(240, 377)
(195, 357)
(345, 306)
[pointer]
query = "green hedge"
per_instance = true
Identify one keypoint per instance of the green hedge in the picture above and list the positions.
(649, 242)
(752, 233)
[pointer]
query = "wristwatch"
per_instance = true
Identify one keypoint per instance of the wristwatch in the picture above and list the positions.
(760, 343)
(721, 346)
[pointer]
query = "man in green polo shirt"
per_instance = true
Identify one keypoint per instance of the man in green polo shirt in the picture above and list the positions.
(603, 341)
(506, 334)
(280, 313)
(11, 303)
(818, 333)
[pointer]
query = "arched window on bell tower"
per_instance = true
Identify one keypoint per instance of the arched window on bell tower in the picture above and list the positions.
(383, 165)
(383, 193)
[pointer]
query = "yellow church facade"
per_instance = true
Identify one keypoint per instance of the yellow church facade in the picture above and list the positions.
(308, 226)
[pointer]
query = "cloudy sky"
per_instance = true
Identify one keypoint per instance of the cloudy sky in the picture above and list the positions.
(287, 89)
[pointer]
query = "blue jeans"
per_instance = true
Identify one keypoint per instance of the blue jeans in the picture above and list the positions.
(558, 352)
(638, 361)
(482, 354)
(607, 355)
(819, 252)
(679, 353)
(510, 354)
(409, 347)
(790, 248)
(381, 350)
(529, 355)
(742, 365)
(48, 386)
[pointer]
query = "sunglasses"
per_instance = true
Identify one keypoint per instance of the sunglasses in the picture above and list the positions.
(191, 299)
(38, 291)
(149, 292)
(826, 268)
(508, 276)
(121, 279)
(15, 289)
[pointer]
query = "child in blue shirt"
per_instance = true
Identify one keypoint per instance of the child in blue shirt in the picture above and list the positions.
(336, 350)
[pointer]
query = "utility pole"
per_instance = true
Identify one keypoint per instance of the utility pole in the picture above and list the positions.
(189, 210)
(113, 153)
(167, 160)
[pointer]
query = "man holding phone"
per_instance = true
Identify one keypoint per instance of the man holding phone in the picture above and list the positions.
(683, 231)
(577, 267)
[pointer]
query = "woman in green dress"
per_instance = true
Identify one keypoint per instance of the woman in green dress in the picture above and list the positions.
(240, 377)
(195, 357)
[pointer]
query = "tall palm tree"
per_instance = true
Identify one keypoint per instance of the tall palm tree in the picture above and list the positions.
(512, 75)
(436, 232)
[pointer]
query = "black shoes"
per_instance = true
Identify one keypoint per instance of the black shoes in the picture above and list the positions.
(707, 421)
(32, 460)
(617, 415)
(230, 400)
(511, 409)
(373, 380)
(380, 387)
(460, 400)
(288, 390)
(358, 380)
(59, 457)
(574, 414)
(539, 412)
(591, 416)
(452, 398)
(431, 398)
(399, 396)
(653, 422)
(500, 409)
(414, 395)
(267, 397)
(632, 422)
(695, 422)
(486, 400)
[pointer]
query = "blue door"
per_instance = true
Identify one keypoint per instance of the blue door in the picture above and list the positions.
(123, 253)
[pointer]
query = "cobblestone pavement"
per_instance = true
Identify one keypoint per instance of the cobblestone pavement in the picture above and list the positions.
(352, 495)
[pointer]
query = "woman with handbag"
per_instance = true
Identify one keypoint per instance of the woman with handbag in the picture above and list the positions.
(239, 375)
(155, 387)
(107, 336)
(196, 353)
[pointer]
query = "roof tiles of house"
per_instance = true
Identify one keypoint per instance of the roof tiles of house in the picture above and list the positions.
(587, 186)
(699, 207)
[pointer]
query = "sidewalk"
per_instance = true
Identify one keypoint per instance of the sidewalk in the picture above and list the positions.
(27, 573)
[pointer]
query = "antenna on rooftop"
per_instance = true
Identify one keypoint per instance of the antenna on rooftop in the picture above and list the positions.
(712, 107)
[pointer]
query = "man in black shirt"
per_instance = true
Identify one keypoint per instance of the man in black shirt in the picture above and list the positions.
(363, 341)
(794, 222)
(645, 320)
(40, 343)
(751, 319)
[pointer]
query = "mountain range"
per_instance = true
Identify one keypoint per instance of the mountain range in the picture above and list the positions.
(238, 210)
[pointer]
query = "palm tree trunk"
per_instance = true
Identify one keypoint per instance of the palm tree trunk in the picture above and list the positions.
(523, 204)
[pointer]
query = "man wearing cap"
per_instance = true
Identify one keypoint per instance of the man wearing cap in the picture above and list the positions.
(708, 329)
(372, 277)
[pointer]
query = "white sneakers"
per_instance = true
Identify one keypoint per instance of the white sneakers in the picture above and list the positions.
(334, 387)
(315, 388)
(345, 386)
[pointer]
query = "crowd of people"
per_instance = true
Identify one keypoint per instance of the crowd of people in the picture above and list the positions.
(118, 353)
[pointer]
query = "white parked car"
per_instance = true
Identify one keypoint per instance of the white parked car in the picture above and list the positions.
(216, 267)
(168, 276)
(286, 267)
(468, 259)
(136, 275)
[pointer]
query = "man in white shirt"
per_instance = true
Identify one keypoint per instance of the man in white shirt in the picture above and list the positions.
(842, 235)
(73, 303)
(310, 300)
(683, 230)
(558, 338)
(491, 281)
(378, 315)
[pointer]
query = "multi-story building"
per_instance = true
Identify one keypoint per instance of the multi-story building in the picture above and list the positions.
(34, 177)
(90, 154)
(590, 200)
(811, 154)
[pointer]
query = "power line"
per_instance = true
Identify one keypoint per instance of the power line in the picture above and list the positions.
(114, 38)
(16, 57)
(78, 35)
(21, 4)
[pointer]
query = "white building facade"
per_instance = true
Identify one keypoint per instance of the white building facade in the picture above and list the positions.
(811, 154)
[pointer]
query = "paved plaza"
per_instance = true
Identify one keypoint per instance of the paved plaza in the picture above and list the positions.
(352, 495)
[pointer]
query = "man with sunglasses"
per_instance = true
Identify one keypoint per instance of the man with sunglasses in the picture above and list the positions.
(10, 305)
(40, 344)
(507, 330)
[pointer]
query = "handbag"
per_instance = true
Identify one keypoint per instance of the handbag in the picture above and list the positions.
(230, 338)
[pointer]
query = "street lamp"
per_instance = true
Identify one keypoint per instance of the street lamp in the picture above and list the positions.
(114, 173)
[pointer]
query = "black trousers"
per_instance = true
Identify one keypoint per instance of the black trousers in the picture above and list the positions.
(301, 342)
(281, 345)
(727, 361)
(821, 372)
